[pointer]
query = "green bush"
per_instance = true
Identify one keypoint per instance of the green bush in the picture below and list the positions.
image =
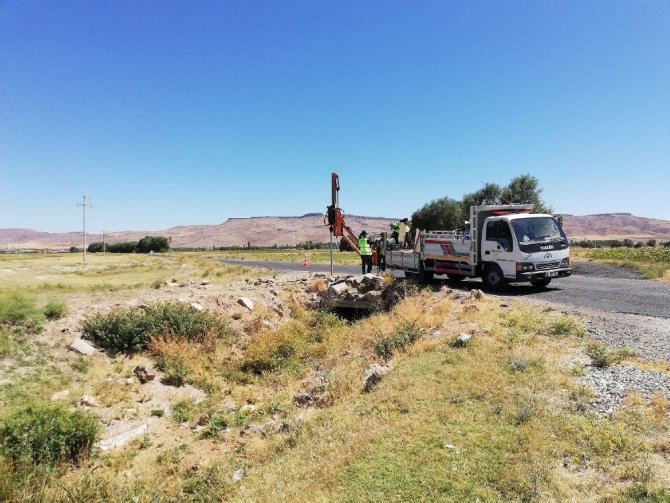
(55, 309)
(407, 334)
(601, 356)
(130, 330)
(175, 371)
(19, 309)
(48, 435)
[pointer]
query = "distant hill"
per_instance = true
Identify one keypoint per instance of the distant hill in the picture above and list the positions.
(616, 226)
(267, 231)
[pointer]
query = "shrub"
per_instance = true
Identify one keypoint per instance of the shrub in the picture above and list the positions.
(130, 330)
(55, 309)
(48, 435)
(175, 371)
(601, 356)
(565, 326)
(407, 334)
(19, 310)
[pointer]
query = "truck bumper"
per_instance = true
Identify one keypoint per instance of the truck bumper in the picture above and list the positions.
(539, 275)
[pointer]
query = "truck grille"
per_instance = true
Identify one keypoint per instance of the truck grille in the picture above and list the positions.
(547, 265)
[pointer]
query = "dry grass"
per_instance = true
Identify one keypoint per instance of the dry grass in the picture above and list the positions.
(498, 420)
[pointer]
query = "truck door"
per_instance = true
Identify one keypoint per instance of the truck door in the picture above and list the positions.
(498, 246)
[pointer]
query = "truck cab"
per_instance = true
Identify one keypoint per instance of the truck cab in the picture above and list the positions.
(523, 247)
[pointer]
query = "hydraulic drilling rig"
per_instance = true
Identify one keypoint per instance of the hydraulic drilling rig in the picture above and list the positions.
(335, 217)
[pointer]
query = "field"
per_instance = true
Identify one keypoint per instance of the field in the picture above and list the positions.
(270, 404)
(652, 262)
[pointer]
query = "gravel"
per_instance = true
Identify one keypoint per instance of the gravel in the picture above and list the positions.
(611, 384)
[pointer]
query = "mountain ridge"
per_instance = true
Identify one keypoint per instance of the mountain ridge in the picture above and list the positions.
(287, 230)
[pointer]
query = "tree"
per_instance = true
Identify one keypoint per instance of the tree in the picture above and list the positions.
(95, 247)
(488, 194)
(525, 189)
(156, 244)
(448, 214)
(444, 213)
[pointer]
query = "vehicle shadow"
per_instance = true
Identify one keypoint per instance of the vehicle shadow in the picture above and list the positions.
(513, 290)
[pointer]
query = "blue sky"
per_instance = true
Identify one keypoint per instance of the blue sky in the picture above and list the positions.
(173, 112)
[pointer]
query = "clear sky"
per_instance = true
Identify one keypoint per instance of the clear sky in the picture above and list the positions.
(190, 112)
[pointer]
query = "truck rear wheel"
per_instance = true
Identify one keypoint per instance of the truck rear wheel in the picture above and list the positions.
(493, 278)
(425, 276)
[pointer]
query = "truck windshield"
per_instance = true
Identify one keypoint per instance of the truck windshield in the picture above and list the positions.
(537, 229)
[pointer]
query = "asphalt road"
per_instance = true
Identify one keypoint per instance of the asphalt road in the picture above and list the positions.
(582, 291)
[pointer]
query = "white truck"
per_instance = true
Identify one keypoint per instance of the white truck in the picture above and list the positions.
(504, 244)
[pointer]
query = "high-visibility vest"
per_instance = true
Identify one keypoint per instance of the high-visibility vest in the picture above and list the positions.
(364, 246)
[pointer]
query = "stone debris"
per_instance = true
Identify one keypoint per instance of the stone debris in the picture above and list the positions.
(303, 399)
(88, 401)
(60, 395)
(372, 375)
(144, 374)
(119, 441)
(197, 306)
(83, 347)
(462, 340)
(612, 384)
(246, 302)
(204, 282)
(367, 291)
(238, 474)
(477, 294)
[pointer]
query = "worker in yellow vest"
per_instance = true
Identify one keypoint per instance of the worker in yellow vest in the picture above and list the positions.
(366, 251)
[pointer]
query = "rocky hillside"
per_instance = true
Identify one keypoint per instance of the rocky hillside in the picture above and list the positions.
(267, 231)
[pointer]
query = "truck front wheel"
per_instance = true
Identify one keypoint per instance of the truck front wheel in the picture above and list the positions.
(540, 283)
(493, 278)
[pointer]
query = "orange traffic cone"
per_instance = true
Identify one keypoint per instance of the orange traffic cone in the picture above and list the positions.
(305, 263)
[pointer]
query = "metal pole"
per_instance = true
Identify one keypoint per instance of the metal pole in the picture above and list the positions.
(331, 253)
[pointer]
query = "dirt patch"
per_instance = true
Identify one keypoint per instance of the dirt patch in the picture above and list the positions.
(588, 268)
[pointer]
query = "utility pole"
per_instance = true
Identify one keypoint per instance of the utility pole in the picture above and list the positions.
(83, 205)
(103, 242)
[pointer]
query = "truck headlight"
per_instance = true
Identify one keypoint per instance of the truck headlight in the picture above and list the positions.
(565, 262)
(524, 267)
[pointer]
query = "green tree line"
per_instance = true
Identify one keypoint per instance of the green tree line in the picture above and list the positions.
(447, 213)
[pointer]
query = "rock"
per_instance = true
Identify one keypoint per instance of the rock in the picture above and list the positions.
(196, 306)
(88, 401)
(238, 475)
(372, 375)
(144, 374)
(449, 446)
(303, 399)
(60, 395)
(129, 381)
(462, 340)
(274, 292)
(504, 305)
(65, 330)
(338, 288)
(119, 441)
(171, 282)
(246, 302)
(204, 282)
(477, 294)
(83, 347)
